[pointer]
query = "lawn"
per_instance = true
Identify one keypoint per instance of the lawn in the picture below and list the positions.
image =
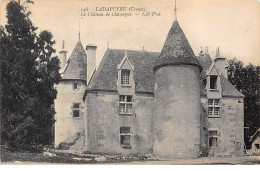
(25, 157)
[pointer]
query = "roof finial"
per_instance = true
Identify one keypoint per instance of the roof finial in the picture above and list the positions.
(207, 50)
(217, 52)
(126, 53)
(79, 29)
(79, 25)
(175, 12)
(108, 44)
(201, 51)
(63, 44)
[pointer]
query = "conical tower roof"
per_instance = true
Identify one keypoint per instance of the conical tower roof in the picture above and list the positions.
(76, 66)
(176, 49)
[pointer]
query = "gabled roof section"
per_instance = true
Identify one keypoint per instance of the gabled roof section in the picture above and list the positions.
(123, 61)
(76, 67)
(228, 90)
(213, 68)
(105, 78)
(176, 49)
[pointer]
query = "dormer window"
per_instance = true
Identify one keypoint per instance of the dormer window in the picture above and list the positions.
(125, 74)
(213, 82)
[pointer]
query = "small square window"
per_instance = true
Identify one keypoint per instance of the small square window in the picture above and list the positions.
(257, 146)
(129, 98)
(210, 101)
(75, 86)
(76, 110)
(122, 108)
(76, 105)
(210, 110)
(212, 142)
(75, 113)
(125, 130)
(216, 111)
(121, 98)
(216, 101)
(78, 134)
(128, 108)
(213, 82)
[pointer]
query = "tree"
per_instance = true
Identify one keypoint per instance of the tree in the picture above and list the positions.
(28, 75)
(246, 80)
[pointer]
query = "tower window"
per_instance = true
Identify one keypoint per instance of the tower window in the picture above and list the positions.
(75, 86)
(213, 82)
(125, 74)
(213, 107)
(125, 104)
(76, 110)
(125, 137)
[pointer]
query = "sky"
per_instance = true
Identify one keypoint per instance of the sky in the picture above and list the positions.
(231, 25)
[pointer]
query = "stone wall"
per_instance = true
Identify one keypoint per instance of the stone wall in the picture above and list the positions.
(66, 126)
(230, 127)
(104, 122)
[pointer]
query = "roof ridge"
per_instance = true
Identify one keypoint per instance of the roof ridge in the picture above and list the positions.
(133, 50)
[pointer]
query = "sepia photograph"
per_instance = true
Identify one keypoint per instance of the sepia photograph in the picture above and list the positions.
(130, 82)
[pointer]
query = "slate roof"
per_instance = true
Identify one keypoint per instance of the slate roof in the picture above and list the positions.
(227, 88)
(76, 67)
(105, 77)
(176, 49)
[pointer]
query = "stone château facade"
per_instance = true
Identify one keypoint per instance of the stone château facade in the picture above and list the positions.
(172, 103)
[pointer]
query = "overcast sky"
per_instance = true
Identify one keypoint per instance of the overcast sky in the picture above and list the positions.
(233, 25)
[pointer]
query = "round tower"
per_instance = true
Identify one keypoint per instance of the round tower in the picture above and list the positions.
(177, 98)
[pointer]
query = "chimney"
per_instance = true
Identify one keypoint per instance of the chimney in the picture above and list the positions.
(63, 56)
(91, 60)
(221, 64)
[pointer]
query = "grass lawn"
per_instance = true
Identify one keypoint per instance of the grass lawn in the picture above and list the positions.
(63, 158)
(10, 157)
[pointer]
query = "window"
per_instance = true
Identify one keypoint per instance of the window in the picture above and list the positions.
(213, 107)
(75, 86)
(125, 137)
(76, 110)
(78, 134)
(213, 82)
(125, 104)
(125, 77)
(213, 139)
(257, 146)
